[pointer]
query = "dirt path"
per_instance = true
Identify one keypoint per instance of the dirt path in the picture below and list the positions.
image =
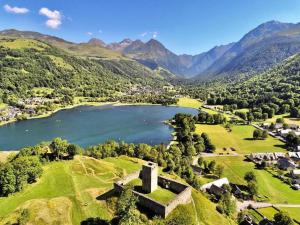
(243, 205)
(197, 221)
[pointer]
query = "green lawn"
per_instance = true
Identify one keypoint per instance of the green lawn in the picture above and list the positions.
(268, 212)
(189, 102)
(293, 212)
(270, 187)
(287, 119)
(79, 181)
(239, 138)
(162, 195)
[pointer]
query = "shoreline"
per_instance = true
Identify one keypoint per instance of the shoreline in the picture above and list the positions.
(49, 113)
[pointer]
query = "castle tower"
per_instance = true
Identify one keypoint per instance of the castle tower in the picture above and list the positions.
(149, 176)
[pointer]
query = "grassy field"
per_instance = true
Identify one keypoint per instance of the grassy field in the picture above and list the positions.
(23, 43)
(287, 119)
(189, 102)
(76, 183)
(293, 212)
(239, 138)
(268, 212)
(67, 194)
(271, 188)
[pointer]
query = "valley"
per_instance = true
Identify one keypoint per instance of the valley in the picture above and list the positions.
(130, 132)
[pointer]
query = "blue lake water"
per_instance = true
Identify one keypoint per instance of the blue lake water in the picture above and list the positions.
(90, 125)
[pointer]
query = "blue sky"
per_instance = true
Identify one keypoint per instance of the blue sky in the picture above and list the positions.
(183, 26)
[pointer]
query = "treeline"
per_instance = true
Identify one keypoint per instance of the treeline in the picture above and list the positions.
(26, 166)
(204, 117)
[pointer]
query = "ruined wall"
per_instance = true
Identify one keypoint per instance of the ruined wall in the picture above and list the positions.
(183, 194)
(170, 184)
(182, 198)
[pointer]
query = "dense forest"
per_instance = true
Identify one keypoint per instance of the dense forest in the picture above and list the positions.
(275, 91)
(26, 64)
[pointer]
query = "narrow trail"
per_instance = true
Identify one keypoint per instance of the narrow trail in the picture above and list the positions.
(197, 221)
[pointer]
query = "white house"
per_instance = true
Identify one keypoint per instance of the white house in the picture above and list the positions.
(218, 183)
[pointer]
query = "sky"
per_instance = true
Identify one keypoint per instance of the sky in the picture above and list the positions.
(183, 26)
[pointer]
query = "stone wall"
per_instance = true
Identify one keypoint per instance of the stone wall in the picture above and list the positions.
(183, 194)
(182, 198)
(170, 184)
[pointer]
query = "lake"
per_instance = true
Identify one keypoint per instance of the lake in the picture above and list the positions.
(90, 125)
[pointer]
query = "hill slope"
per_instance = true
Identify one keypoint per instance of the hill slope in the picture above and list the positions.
(68, 193)
(28, 63)
(261, 48)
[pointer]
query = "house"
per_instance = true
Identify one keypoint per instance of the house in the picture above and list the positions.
(296, 186)
(262, 156)
(265, 221)
(284, 133)
(293, 126)
(295, 173)
(265, 125)
(218, 191)
(235, 189)
(218, 183)
(278, 126)
(294, 155)
(286, 164)
(279, 155)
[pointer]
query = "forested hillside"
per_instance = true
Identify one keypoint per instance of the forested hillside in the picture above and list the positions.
(275, 91)
(26, 64)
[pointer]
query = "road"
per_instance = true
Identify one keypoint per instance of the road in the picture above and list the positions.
(243, 205)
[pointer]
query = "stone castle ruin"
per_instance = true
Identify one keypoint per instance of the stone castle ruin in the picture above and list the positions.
(149, 177)
(150, 182)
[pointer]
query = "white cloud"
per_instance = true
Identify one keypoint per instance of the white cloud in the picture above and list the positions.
(15, 10)
(89, 33)
(154, 34)
(144, 34)
(54, 17)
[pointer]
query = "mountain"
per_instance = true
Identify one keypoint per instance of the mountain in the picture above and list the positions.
(120, 46)
(154, 54)
(259, 49)
(96, 42)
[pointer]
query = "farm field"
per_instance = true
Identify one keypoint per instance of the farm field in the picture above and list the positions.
(273, 189)
(240, 138)
(189, 102)
(269, 212)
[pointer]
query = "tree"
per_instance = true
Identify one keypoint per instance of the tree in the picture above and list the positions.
(264, 134)
(58, 147)
(227, 204)
(219, 170)
(212, 166)
(7, 180)
(72, 150)
(282, 218)
(126, 208)
(252, 188)
(257, 134)
(250, 176)
(200, 161)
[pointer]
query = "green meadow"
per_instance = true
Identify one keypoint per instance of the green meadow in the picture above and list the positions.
(269, 187)
(240, 138)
